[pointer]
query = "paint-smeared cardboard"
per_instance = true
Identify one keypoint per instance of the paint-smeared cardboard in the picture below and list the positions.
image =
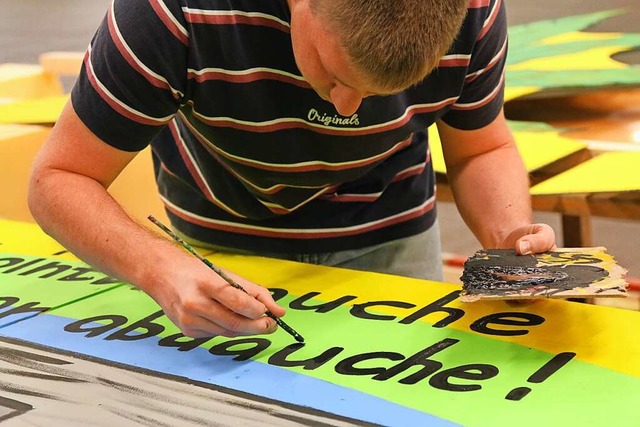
(561, 273)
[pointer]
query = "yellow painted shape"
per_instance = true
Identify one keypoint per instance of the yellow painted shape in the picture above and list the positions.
(604, 336)
(591, 59)
(26, 81)
(42, 110)
(607, 172)
(577, 36)
(26, 238)
(513, 92)
(538, 149)
(435, 145)
(18, 146)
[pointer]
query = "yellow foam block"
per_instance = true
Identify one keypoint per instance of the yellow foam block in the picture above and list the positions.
(18, 146)
(608, 172)
(33, 111)
(26, 81)
(135, 189)
(61, 63)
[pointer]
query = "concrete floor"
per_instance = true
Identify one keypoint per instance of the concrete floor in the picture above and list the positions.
(27, 29)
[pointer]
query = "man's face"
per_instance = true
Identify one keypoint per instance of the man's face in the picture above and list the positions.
(324, 63)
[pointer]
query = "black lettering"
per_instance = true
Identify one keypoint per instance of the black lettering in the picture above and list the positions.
(347, 366)
(297, 304)
(150, 329)
(541, 375)
(78, 275)
(360, 310)
(421, 359)
(181, 342)
(453, 313)
(93, 331)
(278, 293)
(244, 353)
(8, 262)
(106, 281)
(507, 318)
(26, 264)
(551, 367)
(280, 358)
(477, 371)
(29, 307)
(8, 301)
(54, 265)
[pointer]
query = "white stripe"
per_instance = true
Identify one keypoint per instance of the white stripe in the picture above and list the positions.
(471, 105)
(304, 202)
(122, 104)
(412, 168)
(455, 56)
(319, 125)
(491, 63)
(493, 12)
(246, 72)
(195, 165)
(135, 58)
(286, 231)
(173, 18)
(234, 13)
(360, 195)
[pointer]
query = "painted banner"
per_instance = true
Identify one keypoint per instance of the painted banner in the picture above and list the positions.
(380, 349)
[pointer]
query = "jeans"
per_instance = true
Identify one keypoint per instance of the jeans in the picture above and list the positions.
(416, 256)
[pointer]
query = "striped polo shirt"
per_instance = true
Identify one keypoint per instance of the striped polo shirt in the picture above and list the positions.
(246, 154)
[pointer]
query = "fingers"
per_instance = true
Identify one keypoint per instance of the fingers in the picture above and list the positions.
(538, 238)
(262, 299)
(215, 319)
(204, 317)
(202, 304)
(218, 308)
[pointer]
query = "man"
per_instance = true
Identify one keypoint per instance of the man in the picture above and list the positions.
(290, 129)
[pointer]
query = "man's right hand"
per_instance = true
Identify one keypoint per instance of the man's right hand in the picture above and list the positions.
(202, 304)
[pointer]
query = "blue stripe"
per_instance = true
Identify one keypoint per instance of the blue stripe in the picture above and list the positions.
(249, 376)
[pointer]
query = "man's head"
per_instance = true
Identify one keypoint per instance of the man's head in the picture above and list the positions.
(369, 47)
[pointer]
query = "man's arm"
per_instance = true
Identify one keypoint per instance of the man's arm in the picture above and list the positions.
(491, 188)
(68, 197)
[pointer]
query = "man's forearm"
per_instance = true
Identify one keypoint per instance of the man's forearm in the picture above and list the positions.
(79, 213)
(492, 194)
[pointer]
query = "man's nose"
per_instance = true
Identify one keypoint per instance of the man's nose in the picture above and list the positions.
(346, 100)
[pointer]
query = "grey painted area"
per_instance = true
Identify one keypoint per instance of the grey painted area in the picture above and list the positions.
(39, 387)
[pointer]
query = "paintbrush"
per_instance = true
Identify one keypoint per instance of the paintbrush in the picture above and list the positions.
(222, 274)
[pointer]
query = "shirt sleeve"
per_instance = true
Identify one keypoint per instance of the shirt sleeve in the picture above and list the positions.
(482, 94)
(133, 77)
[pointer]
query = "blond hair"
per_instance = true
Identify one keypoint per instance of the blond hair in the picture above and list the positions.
(394, 43)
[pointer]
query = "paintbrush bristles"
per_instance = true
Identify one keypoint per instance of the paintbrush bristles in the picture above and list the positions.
(222, 274)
